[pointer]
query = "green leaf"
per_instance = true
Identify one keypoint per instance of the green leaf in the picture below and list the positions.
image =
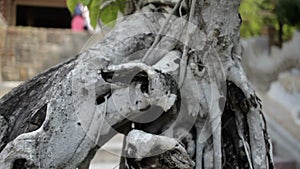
(106, 10)
(85, 2)
(94, 9)
(109, 13)
(121, 4)
(71, 4)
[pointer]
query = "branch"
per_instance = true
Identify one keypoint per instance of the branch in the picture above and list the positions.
(74, 103)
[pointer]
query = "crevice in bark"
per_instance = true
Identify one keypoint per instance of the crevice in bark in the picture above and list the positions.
(229, 142)
(134, 75)
(19, 164)
(235, 106)
(22, 163)
(86, 162)
(37, 119)
(237, 98)
(101, 99)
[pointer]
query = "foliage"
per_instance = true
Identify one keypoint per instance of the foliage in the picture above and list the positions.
(105, 10)
(288, 11)
(257, 15)
(248, 11)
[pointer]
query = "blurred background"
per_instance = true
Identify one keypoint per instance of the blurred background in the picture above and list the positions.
(38, 34)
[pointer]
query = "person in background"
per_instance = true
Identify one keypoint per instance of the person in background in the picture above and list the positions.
(78, 21)
(86, 16)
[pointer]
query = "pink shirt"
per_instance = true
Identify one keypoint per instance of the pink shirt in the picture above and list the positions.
(77, 24)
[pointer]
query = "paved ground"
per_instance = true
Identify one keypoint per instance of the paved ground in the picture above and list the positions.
(283, 129)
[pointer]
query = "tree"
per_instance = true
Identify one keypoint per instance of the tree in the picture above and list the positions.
(168, 76)
(256, 15)
(287, 13)
(279, 15)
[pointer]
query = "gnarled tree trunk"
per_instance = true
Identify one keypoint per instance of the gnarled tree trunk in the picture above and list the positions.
(168, 77)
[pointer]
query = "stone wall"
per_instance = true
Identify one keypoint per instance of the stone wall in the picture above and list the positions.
(3, 23)
(27, 51)
(264, 64)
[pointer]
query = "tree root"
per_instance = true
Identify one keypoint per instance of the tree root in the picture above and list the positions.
(141, 146)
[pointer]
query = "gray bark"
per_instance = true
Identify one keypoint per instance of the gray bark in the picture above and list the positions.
(179, 82)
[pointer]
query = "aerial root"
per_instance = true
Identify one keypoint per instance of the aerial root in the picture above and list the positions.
(236, 75)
